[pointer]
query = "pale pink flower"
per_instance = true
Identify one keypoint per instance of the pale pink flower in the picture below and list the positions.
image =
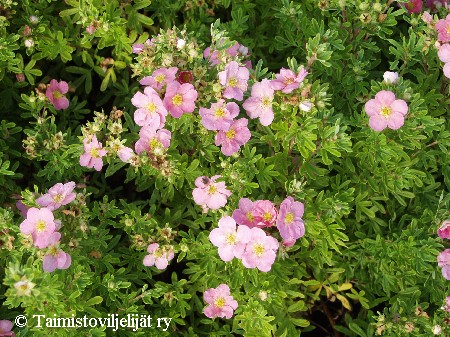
(444, 230)
(444, 53)
(244, 214)
(413, 6)
(40, 224)
(138, 48)
(93, 153)
(219, 116)
(444, 262)
(5, 328)
(427, 17)
(260, 251)
(234, 78)
(55, 93)
(180, 98)
(230, 241)
(287, 81)
(209, 193)
(125, 154)
(57, 196)
(212, 56)
(443, 29)
(220, 302)
(264, 213)
(386, 111)
(237, 135)
(259, 104)
(55, 257)
(153, 142)
(23, 209)
(289, 221)
(158, 257)
(160, 78)
(447, 70)
(91, 29)
(151, 110)
(390, 77)
(447, 304)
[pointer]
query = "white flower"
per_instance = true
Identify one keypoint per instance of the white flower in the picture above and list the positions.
(29, 43)
(181, 43)
(437, 330)
(305, 106)
(390, 77)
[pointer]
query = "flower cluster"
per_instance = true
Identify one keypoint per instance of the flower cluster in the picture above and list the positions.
(220, 302)
(41, 224)
(158, 256)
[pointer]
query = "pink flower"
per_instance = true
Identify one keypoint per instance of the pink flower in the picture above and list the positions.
(444, 230)
(447, 304)
(140, 47)
(160, 78)
(444, 53)
(180, 98)
(237, 135)
(213, 57)
(385, 110)
(260, 102)
(265, 213)
(151, 110)
(234, 78)
(436, 4)
(125, 154)
(158, 257)
(443, 29)
(93, 153)
(427, 17)
(56, 258)
(91, 29)
(40, 224)
(55, 94)
(58, 195)
(230, 241)
(244, 214)
(23, 209)
(390, 77)
(5, 328)
(220, 302)
(260, 251)
(209, 193)
(447, 70)
(444, 262)
(219, 116)
(287, 81)
(151, 141)
(289, 222)
(413, 6)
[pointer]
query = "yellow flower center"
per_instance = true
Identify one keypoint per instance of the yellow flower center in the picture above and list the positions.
(230, 239)
(230, 134)
(23, 287)
(57, 94)
(158, 253)
(250, 216)
(53, 251)
(289, 218)
(160, 78)
(289, 81)
(386, 111)
(177, 99)
(154, 143)
(94, 153)
(151, 107)
(212, 189)
(266, 102)
(219, 302)
(40, 225)
(58, 198)
(448, 29)
(258, 249)
(267, 216)
(232, 82)
(219, 113)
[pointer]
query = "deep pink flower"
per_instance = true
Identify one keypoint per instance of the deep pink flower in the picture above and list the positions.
(244, 214)
(435, 4)
(287, 81)
(444, 230)
(259, 104)
(230, 241)
(151, 110)
(237, 135)
(158, 257)
(264, 213)
(234, 78)
(385, 110)
(55, 257)
(209, 193)
(58, 195)
(185, 77)
(93, 153)
(219, 116)
(444, 262)
(444, 53)
(180, 98)
(40, 224)
(55, 93)
(160, 78)
(260, 251)
(220, 302)
(289, 221)
(413, 6)
(5, 328)
(443, 29)
(151, 141)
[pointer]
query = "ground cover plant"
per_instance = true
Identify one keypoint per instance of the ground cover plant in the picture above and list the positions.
(224, 168)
